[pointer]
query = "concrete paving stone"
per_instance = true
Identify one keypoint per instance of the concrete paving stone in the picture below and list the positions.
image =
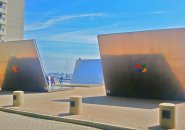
(17, 122)
(127, 112)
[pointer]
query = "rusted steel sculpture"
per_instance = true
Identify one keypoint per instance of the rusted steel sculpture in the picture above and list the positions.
(20, 67)
(147, 64)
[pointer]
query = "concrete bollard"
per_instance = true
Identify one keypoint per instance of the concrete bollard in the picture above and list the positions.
(167, 115)
(18, 98)
(75, 105)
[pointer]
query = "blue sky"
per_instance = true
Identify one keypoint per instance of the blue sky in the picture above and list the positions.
(67, 29)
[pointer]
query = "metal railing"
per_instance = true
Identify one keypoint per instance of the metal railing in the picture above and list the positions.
(2, 8)
(2, 20)
(4, 1)
(2, 32)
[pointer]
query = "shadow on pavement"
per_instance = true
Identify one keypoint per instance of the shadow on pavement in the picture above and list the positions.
(156, 128)
(122, 102)
(2, 93)
(8, 106)
(64, 114)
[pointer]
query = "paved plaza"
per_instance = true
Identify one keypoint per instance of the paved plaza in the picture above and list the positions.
(18, 122)
(126, 112)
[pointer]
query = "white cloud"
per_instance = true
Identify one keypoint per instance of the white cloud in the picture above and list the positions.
(76, 36)
(56, 20)
(88, 36)
(158, 12)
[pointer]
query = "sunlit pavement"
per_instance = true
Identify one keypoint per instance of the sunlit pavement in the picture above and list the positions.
(17, 122)
(135, 113)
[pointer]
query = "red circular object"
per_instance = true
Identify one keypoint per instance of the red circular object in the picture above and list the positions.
(15, 69)
(138, 66)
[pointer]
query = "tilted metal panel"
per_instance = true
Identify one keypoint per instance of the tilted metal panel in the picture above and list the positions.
(24, 56)
(88, 71)
(163, 53)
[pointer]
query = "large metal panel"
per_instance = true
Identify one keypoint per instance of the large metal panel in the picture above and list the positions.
(163, 53)
(87, 71)
(20, 67)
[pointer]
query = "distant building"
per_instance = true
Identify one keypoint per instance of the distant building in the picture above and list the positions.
(11, 20)
(88, 71)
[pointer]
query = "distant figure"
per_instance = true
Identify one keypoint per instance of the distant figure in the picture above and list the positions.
(52, 81)
(49, 80)
(61, 79)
